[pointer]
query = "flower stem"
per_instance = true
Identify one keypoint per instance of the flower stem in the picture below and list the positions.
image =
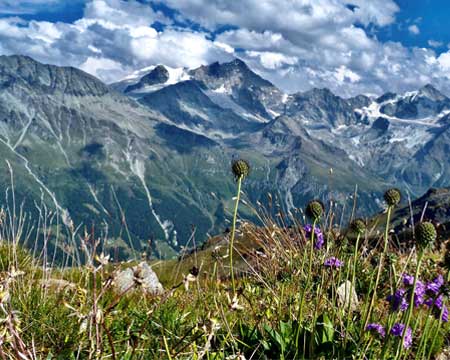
(349, 292)
(233, 231)
(380, 266)
(308, 279)
(411, 304)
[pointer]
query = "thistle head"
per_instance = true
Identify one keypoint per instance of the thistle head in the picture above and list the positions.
(314, 210)
(392, 197)
(358, 226)
(240, 168)
(425, 234)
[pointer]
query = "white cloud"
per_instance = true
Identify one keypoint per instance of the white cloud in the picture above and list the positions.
(378, 12)
(101, 66)
(253, 40)
(414, 29)
(272, 60)
(444, 61)
(343, 74)
(113, 38)
(286, 14)
(122, 13)
(435, 44)
(297, 44)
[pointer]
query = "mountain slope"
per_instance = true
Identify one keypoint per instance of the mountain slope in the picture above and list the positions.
(188, 106)
(91, 151)
(157, 147)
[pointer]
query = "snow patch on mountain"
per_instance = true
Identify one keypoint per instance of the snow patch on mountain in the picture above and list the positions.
(136, 75)
(176, 75)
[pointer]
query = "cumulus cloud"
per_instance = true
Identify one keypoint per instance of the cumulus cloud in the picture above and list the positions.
(297, 44)
(112, 39)
(414, 29)
(444, 61)
(296, 15)
(272, 60)
(435, 44)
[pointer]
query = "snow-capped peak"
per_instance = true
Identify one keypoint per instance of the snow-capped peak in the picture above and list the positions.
(150, 79)
(136, 75)
(177, 75)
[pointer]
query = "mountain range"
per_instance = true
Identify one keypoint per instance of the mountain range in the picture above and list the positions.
(146, 160)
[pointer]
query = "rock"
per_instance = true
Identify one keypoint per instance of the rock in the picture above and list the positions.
(140, 277)
(347, 296)
(444, 355)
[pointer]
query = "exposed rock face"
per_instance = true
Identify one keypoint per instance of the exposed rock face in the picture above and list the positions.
(84, 148)
(158, 75)
(161, 148)
(247, 89)
(138, 278)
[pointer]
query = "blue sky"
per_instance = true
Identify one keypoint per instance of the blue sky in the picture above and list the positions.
(430, 16)
(349, 46)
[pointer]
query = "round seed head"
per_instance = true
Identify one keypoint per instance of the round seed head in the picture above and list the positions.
(240, 168)
(425, 234)
(358, 226)
(392, 197)
(314, 209)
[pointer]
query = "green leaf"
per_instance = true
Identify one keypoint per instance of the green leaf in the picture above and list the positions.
(325, 329)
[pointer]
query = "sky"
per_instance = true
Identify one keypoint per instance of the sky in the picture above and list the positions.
(349, 46)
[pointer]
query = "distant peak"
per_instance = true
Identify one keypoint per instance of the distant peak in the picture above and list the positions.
(159, 75)
(217, 68)
(430, 88)
(215, 73)
(159, 68)
(430, 91)
(323, 92)
(238, 62)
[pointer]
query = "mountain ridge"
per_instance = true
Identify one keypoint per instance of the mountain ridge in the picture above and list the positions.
(162, 152)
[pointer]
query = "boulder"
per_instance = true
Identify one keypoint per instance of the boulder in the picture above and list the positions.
(346, 296)
(138, 278)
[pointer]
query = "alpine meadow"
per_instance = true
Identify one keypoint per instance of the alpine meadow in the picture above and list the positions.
(219, 180)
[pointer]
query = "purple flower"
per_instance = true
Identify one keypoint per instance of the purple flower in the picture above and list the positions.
(398, 330)
(377, 328)
(408, 279)
(398, 300)
(333, 262)
(419, 293)
(318, 236)
(444, 317)
(434, 286)
(438, 307)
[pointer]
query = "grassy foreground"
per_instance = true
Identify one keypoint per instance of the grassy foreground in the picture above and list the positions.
(307, 290)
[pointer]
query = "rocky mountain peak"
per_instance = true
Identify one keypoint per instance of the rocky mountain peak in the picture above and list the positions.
(235, 72)
(159, 75)
(322, 108)
(19, 71)
(431, 92)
